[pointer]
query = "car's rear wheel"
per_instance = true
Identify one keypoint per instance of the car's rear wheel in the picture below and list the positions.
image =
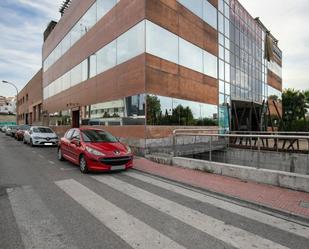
(60, 155)
(83, 165)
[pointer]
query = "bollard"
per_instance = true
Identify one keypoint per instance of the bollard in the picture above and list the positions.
(259, 153)
(174, 145)
(210, 151)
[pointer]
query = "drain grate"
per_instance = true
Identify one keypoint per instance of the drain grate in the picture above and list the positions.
(304, 204)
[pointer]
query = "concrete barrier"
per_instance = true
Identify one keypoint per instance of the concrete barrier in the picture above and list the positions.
(272, 177)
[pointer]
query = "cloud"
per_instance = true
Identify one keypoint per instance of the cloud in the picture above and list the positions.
(22, 25)
(288, 21)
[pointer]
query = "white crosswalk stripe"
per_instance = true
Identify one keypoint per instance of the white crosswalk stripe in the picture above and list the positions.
(38, 227)
(218, 229)
(136, 233)
(233, 208)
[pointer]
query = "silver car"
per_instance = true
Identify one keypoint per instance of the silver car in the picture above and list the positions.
(40, 135)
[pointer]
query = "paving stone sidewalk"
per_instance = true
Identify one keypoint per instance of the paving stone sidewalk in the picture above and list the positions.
(284, 200)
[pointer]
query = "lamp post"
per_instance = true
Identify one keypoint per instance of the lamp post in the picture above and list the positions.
(12, 84)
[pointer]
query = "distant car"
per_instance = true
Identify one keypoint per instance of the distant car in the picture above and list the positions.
(9, 130)
(14, 129)
(40, 136)
(3, 129)
(94, 150)
(19, 135)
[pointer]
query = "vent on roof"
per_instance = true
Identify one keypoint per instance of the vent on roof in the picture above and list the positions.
(65, 4)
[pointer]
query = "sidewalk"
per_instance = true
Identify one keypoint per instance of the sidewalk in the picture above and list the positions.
(275, 198)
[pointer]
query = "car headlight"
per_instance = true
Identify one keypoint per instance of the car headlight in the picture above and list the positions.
(128, 149)
(94, 152)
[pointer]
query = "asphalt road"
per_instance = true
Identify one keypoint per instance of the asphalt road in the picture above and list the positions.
(45, 203)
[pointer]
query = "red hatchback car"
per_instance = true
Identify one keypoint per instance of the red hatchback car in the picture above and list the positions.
(94, 150)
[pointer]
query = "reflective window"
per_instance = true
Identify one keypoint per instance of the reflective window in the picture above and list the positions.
(89, 19)
(161, 43)
(76, 75)
(170, 111)
(92, 65)
(98, 9)
(190, 56)
(127, 111)
(210, 65)
(210, 14)
(106, 57)
(195, 6)
(104, 6)
(131, 43)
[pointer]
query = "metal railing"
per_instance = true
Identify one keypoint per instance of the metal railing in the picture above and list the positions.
(256, 141)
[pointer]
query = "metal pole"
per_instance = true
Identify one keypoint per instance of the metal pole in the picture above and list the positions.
(210, 152)
(12, 84)
(174, 144)
(259, 153)
(308, 159)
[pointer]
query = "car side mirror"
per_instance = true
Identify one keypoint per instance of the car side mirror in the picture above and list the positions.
(30, 132)
(75, 142)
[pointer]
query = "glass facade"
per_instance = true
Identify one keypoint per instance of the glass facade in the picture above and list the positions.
(171, 111)
(159, 42)
(97, 10)
(203, 9)
(168, 46)
(127, 111)
(240, 67)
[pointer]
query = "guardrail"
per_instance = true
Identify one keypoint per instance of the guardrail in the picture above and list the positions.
(265, 141)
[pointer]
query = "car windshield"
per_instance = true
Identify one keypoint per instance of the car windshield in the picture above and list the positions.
(98, 136)
(24, 127)
(42, 130)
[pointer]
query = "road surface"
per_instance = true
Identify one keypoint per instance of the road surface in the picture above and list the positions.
(45, 203)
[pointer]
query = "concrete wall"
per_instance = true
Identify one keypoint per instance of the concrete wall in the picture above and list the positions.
(277, 178)
(281, 161)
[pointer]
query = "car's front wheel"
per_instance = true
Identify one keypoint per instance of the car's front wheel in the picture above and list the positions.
(60, 155)
(83, 165)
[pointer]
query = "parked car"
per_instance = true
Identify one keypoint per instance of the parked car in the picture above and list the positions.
(40, 135)
(14, 129)
(3, 129)
(94, 150)
(19, 135)
(9, 130)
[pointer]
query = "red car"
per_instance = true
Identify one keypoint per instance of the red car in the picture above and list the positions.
(94, 150)
(19, 135)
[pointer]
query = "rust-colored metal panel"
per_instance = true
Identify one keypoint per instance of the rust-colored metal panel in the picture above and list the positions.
(67, 21)
(126, 79)
(182, 83)
(126, 14)
(214, 3)
(174, 17)
(274, 80)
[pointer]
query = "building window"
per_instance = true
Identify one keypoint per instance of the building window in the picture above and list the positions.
(161, 43)
(190, 56)
(131, 43)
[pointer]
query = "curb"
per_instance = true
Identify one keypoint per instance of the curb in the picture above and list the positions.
(280, 213)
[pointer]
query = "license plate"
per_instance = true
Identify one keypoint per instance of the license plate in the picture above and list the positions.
(118, 167)
(48, 143)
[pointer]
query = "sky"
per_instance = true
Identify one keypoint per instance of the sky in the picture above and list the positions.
(23, 22)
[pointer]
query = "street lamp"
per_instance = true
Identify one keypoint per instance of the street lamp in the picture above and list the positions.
(12, 84)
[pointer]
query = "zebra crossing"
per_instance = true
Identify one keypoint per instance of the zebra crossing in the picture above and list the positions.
(39, 228)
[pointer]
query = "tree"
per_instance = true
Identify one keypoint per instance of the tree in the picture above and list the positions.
(153, 110)
(294, 107)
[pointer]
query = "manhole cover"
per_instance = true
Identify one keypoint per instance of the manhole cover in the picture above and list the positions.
(304, 204)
